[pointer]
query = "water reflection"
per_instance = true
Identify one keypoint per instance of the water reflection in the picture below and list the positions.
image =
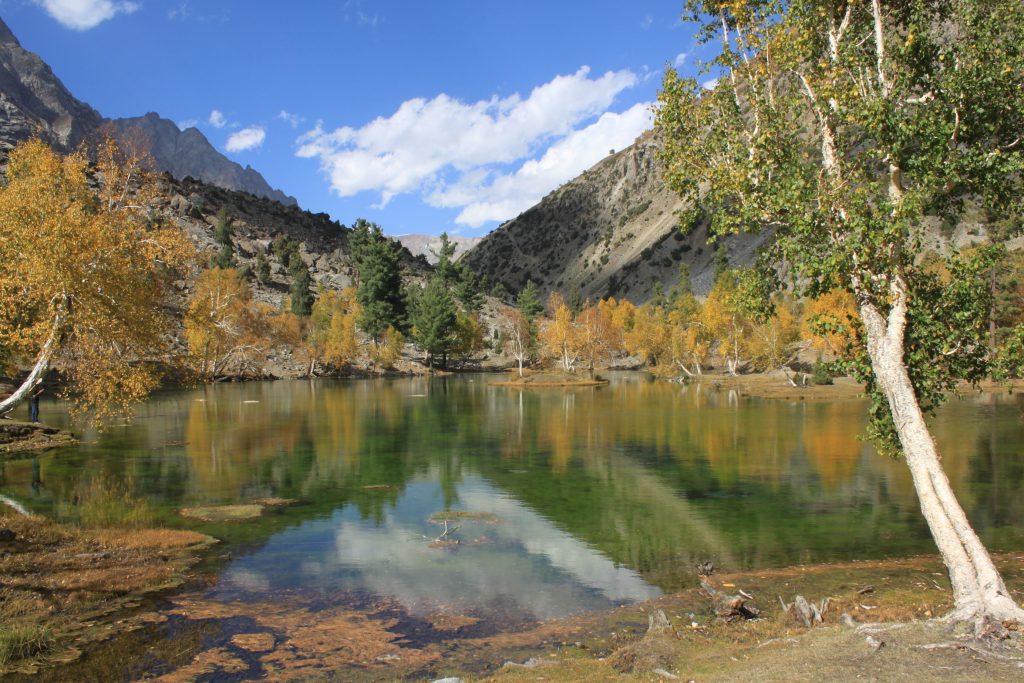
(519, 567)
(603, 495)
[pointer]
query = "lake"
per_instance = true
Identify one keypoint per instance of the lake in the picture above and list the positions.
(571, 500)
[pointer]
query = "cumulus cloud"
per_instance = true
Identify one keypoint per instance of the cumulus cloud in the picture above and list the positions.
(425, 141)
(186, 124)
(487, 197)
(246, 139)
(82, 15)
(680, 59)
(709, 84)
(217, 119)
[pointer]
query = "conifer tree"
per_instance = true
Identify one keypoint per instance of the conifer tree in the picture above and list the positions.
(528, 301)
(434, 320)
(380, 292)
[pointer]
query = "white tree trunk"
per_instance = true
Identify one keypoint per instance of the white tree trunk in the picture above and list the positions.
(38, 371)
(978, 590)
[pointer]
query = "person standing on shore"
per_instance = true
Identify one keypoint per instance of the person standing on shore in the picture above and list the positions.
(33, 404)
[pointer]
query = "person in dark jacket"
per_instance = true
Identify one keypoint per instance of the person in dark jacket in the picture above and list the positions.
(33, 404)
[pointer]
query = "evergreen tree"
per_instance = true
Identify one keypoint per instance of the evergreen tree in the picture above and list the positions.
(225, 258)
(658, 294)
(721, 260)
(684, 287)
(468, 289)
(575, 299)
(302, 297)
(445, 267)
(528, 301)
(380, 292)
(262, 269)
(222, 233)
(434, 320)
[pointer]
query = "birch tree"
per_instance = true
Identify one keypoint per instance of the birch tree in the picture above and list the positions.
(845, 125)
(86, 274)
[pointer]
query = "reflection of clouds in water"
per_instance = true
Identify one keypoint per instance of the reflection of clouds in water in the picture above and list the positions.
(525, 567)
(540, 537)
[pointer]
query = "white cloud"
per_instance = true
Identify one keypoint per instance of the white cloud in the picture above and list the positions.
(709, 84)
(680, 59)
(187, 123)
(646, 22)
(82, 15)
(425, 140)
(493, 197)
(217, 119)
(292, 119)
(246, 139)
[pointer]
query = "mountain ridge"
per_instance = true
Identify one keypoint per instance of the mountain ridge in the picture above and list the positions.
(35, 103)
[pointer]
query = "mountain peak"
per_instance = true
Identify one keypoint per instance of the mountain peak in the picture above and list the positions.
(33, 102)
(7, 36)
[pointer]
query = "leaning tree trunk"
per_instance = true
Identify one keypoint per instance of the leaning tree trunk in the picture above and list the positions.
(38, 372)
(978, 590)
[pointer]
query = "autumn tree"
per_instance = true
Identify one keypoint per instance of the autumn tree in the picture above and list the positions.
(558, 336)
(649, 337)
(332, 332)
(468, 336)
(518, 337)
(829, 320)
(220, 325)
(86, 273)
(844, 125)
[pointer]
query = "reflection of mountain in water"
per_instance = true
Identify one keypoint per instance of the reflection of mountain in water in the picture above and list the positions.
(634, 482)
(521, 568)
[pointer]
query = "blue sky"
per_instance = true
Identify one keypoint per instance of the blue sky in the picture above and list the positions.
(420, 116)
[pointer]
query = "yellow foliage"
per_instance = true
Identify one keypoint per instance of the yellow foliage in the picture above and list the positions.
(469, 335)
(389, 350)
(333, 319)
(82, 265)
(558, 336)
(769, 344)
(837, 308)
(650, 338)
(221, 323)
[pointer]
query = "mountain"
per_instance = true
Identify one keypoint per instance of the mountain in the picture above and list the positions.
(613, 231)
(184, 153)
(427, 245)
(34, 102)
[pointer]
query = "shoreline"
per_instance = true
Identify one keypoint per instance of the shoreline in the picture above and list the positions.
(161, 581)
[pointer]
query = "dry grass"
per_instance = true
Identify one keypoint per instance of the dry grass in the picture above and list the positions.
(63, 586)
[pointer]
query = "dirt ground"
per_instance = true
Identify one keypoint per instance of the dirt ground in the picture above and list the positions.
(890, 633)
(62, 588)
(27, 436)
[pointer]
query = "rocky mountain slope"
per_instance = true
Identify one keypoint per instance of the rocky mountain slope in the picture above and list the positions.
(427, 245)
(194, 206)
(34, 102)
(613, 231)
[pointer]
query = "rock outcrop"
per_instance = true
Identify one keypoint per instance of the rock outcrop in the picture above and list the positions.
(613, 231)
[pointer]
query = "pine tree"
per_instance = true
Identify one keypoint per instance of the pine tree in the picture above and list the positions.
(302, 298)
(380, 292)
(222, 233)
(434, 320)
(528, 301)
(468, 289)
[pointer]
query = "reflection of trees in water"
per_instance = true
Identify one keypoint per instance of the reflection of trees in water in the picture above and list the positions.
(655, 475)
